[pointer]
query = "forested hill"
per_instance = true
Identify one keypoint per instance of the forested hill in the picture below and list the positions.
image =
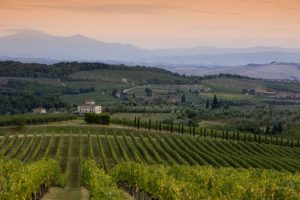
(63, 69)
(25, 86)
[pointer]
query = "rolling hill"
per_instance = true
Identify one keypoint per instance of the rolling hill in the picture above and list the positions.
(275, 71)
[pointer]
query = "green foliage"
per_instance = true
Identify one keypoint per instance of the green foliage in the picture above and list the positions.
(189, 183)
(30, 119)
(101, 185)
(64, 69)
(115, 93)
(207, 104)
(277, 128)
(18, 121)
(148, 92)
(183, 100)
(215, 103)
(20, 181)
(23, 103)
(93, 118)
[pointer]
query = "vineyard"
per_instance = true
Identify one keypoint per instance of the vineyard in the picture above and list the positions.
(109, 147)
(184, 182)
(19, 181)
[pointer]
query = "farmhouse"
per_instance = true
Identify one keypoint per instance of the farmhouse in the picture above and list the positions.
(39, 110)
(89, 107)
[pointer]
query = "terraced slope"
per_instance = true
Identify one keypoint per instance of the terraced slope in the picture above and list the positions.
(111, 148)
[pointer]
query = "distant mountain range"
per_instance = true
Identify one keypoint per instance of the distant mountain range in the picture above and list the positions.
(33, 46)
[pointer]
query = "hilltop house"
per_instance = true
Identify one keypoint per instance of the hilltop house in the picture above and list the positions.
(89, 107)
(39, 110)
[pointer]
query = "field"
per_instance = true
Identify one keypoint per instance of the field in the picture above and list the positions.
(71, 146)
(170, 136)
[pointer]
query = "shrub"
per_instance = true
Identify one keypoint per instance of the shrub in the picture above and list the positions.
(19, 122)
(93, 118)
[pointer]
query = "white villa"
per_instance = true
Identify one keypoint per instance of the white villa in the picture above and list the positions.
(89, 107)
(39, 110)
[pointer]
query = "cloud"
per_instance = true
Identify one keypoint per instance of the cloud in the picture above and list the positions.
(80, 6)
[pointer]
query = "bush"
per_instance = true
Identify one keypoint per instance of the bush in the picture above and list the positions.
(104, 119)
(19, 122)
(93, 118)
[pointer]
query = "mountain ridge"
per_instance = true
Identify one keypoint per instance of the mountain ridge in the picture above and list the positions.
(34, 44)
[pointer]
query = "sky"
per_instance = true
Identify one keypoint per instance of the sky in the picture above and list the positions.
(161, 23)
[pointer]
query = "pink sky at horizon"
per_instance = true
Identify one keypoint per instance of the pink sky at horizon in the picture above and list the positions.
(161, 23)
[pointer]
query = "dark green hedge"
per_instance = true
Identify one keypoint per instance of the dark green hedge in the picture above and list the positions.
(92, 118)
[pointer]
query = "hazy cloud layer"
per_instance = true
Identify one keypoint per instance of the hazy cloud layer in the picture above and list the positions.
(161, 23)
(91, 6)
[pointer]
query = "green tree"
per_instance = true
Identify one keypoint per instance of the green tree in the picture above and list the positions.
(183, 100)
(114, 93)
(267, 130)
(148, 92)
(215, 103)
(207, 104)
(279, 127)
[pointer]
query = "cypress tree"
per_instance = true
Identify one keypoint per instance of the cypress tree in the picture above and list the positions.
(159, 126)
(227, 136)
(271, 139)
(279, 127)
(265, 138)
(194, 130)
(207, 104)
(215, 103)
(183, 98)
(233, 135)
(268, 130)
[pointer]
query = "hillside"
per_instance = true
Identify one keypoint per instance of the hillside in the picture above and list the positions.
(87, 154)
(75, 82)
(272, 71)
(31, 85)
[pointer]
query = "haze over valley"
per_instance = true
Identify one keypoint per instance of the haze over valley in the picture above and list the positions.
(34, 46)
